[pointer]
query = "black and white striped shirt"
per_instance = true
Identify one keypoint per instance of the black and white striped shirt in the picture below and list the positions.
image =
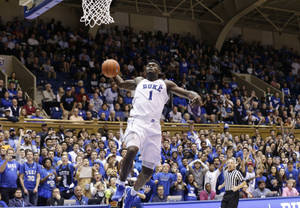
(232, 178)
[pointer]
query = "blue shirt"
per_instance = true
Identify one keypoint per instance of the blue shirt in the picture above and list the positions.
(165, 179)
(191, 193)
(66, 172)
(6, 103)
(84, 200)
(45, 189)
(291, 175)
(3, 204)
(10, 175)
(30, 172)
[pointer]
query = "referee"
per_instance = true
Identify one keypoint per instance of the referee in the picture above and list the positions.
(233, 182)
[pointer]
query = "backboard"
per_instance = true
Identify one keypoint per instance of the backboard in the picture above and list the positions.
(35, 8)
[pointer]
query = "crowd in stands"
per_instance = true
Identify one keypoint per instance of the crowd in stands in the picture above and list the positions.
(68, 64)
(49, 166)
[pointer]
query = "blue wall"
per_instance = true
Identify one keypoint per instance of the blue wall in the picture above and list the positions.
(282, 202)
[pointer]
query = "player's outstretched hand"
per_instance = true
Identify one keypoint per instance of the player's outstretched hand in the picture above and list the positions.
(196, 101)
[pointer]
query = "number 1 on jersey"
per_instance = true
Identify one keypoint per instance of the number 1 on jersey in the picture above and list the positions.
(150, 95)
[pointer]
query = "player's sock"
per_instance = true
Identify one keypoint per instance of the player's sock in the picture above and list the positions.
(133, 192)
(122, 183)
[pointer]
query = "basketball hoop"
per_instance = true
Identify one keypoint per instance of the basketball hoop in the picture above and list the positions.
(96, 12)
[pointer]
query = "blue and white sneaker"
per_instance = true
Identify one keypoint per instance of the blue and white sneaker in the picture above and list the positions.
(119, 193)
(128, 198)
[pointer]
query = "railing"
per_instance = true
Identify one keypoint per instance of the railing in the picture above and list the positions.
(242, 79)
(94, 126)
(271, 202)
(26, 79)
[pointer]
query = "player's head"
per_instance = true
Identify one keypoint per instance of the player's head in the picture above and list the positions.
(152, 69)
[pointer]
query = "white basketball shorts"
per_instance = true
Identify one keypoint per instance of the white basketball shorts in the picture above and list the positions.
(148, 138)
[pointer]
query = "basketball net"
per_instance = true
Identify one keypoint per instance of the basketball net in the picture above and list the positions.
(96, 12)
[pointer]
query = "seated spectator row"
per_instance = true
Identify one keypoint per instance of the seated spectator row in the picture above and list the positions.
(69, 61)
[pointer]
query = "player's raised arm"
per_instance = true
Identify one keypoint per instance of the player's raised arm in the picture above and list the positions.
(127, 84)
(179, 91)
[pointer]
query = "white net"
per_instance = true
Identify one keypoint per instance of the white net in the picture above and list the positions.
(96, 12)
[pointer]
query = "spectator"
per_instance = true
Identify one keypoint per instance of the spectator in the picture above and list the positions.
(18, 200)
(290, 191)
(75, 116)
(165, 178)
(198, 171)
(5, 100)
(212, 175)
(9, 171)
(47, 182)
(30, 178)
(38, 114)
(49, 70)
(49, 98)
(14, 108)
(160, 196)
(191, 189)
(207, 193)
(56, 199)
(111, 189)
(65, 173)
(178, 188)
(84, 181)
(97, 188)
(30, 109)
(2, 203)
(68, 101)
(79, 196)
(175, 116)
(2, 88)
(245, 193)
(111, 95)
(262, 191)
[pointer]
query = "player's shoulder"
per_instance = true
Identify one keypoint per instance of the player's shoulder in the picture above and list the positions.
(138, 80)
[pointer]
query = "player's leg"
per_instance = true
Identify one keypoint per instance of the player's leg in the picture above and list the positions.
(132, 143)
(127, 162)
(151, 157)
(144, 176)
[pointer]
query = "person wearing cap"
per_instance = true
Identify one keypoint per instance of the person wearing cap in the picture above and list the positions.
(68, 101)
(262, 191)
(28, 144)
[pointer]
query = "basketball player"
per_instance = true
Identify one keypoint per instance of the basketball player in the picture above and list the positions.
(143, 131)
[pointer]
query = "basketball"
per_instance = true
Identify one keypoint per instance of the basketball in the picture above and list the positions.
(110, 68)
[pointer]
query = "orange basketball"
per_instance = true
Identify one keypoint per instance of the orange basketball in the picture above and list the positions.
(110, 68)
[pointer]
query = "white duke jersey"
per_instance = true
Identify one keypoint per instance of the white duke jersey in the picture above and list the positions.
(149, 99)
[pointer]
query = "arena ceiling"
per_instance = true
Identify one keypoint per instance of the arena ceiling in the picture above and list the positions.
(275, 15)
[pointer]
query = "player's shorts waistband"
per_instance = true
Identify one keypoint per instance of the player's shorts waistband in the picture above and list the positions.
(152, 120)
